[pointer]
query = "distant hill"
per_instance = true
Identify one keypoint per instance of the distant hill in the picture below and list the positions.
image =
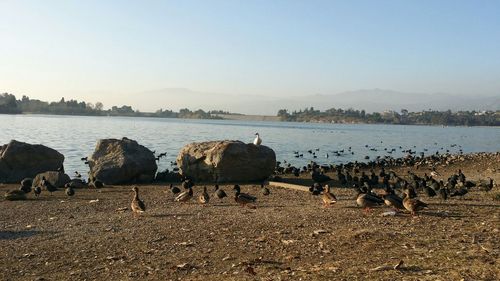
(375, 100)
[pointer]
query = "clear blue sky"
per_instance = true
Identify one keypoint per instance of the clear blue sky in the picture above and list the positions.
(83, 49)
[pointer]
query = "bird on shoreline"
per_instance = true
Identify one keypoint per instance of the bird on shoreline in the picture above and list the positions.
(257, 141)
(185, 195)
(265, 191)
(50, 187)
(37, 191)
(174, 189)
(14, 195)
(328, 197)
(219, 192)
(413, 205)
(137, 205)
(204, 198)
(242, 198)
(69, 190)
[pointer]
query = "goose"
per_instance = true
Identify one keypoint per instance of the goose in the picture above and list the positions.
(14, 195)
(219, 192)
(204, 198)
(257, 141)
(137, 205)
(328, 197)
(243, 198)
(413, 205)
(185, 195)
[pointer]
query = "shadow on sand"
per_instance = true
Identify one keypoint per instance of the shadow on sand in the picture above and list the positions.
(13, 234)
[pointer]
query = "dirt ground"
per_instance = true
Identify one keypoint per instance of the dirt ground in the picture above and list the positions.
(288, 236)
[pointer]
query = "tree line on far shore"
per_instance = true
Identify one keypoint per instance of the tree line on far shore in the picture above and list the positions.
(426, 117)
(10, 105)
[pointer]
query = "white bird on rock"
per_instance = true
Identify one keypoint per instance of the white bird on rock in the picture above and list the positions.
(257, 140)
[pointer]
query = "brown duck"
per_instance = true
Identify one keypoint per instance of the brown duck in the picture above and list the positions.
(413, 205)
(328, 197)
(204, 198)
(137, 205)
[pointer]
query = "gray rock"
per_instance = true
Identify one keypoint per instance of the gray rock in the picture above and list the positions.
(230, 161)
(122, 161)
(57, 179)
(19, 160)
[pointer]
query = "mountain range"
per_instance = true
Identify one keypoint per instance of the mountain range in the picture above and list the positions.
(372, 100)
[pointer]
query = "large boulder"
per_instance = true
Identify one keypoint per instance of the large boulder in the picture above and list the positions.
(230, 161)
(57, 179)
(122, 161)
(19, 160)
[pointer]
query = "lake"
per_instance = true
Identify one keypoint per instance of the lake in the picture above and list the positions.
(76, 137)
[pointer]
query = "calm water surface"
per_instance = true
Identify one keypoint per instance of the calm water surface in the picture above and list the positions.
(76, 136)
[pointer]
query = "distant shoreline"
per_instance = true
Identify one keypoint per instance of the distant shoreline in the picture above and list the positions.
(244, 117)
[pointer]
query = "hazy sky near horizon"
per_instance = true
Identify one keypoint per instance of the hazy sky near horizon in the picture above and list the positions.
(110, 50)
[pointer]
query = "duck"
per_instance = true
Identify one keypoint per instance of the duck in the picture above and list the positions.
(26, 184)
(185, 195)
(429, 191)
(486, 185)
(69, 190)
(328, 197)
(25, 188)
(257, 141)
(14, 195)
(219, 192)
(393, 201)
(137, 205)
(265, 190)
(243, 198)
(50, 187)
(460, 192)
(367, 201)
(319, 177)
(443, 193)
(37, 191)
(413, 205)
(174, 189)
(95, 183)
(204, 198)
(316, 189)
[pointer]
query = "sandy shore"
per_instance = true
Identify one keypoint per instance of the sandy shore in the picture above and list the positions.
(289, 236)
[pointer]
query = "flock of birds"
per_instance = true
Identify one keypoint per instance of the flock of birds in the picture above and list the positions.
(186, 194)
(398, 193)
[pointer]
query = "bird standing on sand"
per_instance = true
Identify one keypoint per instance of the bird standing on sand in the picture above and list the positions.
(204, 198)
(37, 190)
(413, 205)
(137, 205)
(174, 189)
(265, 190)
(257, 141)
(69, 190)
(14, 195)
(219, 192)
(328, 197)
(243, 198)
(50, 187)
(185, 195)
